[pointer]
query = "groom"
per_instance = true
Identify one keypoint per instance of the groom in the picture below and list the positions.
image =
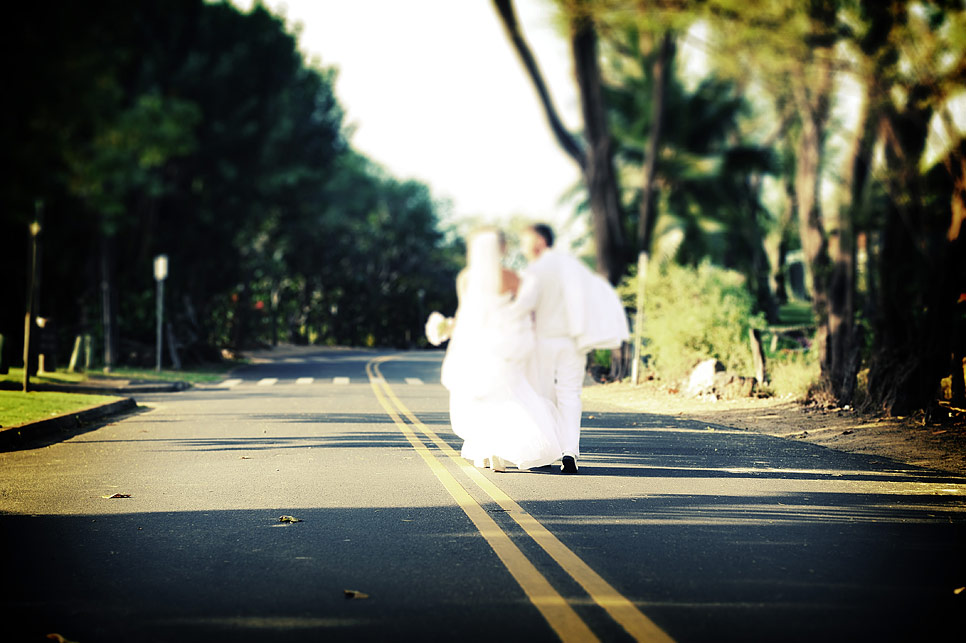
(560, 364)
(574, 311)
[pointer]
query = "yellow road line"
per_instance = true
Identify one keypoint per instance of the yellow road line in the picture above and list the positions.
(554, 608)
(622, 610)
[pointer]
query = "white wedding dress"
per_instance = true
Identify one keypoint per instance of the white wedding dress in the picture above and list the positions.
(493, 407)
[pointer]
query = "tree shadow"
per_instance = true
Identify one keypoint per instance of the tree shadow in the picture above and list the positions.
(245, 576)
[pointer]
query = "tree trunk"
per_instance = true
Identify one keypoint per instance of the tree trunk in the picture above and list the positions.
(570, 144)
(648, 212)
(760, 268)
(594, 159)
(599, 170)
(844, 356)
(781, 290)
(812, 101)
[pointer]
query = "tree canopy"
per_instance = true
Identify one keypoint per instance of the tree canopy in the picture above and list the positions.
(826, 126)
(196, 130)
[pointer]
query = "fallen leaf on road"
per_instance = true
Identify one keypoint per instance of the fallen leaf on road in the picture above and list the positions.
(117, 495)
(60, 639)
(289, 519)
(352, 593)
(245, 457)
(939, 432)
(959, 590)
(847, 432)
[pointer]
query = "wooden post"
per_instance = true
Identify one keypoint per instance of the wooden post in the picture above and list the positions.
(75, 354)
(757, 354)
(642, 261)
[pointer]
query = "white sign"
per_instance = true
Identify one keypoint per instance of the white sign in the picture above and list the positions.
(161, 267)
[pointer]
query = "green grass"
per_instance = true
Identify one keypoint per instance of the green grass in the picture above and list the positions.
(20, 408)
(58, 377)
(207, 373)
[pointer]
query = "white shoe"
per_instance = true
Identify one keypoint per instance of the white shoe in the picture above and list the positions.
(498, 464)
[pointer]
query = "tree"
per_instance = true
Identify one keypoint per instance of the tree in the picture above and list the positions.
(191, 128)
(916, 255)
(918, 325)
(595, 157)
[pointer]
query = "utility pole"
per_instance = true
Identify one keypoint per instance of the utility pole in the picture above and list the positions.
(32, 287)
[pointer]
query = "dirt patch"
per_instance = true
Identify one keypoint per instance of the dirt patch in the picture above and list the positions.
(908, 440)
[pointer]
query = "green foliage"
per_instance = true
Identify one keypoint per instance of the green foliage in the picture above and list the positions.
(694, 313)
(190, 128)
(708, 198)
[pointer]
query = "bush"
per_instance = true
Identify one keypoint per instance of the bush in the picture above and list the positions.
(693, 313)
(793, 373)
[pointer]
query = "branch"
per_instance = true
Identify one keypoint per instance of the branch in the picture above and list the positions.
(566, 140)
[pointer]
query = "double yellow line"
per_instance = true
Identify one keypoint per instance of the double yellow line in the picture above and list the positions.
(554, 608)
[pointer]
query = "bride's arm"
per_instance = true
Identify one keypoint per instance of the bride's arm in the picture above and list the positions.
(509, 282)
(439, 328)
(528, 294)
(461, 285)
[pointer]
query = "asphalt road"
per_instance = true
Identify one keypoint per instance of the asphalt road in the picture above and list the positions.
(672, 530)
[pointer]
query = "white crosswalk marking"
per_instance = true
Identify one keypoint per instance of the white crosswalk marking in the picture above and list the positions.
(267, 381)
(305, 380)
(413, 380)
(340, 380)
(294, 360)
(231, 382)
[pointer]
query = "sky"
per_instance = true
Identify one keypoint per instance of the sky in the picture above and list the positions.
(435, 92)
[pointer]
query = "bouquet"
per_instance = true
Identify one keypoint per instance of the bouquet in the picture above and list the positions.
(438, 328)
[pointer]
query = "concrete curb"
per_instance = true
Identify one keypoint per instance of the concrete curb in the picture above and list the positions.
(14, 435)
(127, 389)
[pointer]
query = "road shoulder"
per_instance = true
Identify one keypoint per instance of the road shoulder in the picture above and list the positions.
(907, 440)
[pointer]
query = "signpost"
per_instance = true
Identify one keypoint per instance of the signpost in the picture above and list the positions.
(32, 281)
(160, 274)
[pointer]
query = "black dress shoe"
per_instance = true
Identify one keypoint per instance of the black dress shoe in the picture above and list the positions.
(568, 464)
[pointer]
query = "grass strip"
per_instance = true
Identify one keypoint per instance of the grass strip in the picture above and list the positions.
(20, 408)
(206, 373)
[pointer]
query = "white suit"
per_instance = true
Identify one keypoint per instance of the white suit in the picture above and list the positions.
(574, 311)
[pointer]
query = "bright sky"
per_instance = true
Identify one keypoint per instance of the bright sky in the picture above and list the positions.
(435, 92)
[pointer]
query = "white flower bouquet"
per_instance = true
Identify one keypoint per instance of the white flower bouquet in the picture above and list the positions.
(438, 328)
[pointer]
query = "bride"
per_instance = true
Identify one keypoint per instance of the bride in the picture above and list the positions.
(493, 407)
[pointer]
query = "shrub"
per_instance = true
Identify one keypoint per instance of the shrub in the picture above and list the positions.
(793, 373)
(693, 313)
